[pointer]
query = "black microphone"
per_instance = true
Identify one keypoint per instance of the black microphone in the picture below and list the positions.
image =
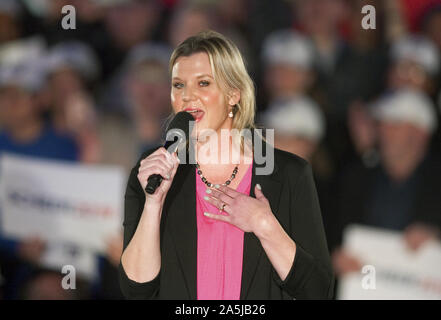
(177, 132)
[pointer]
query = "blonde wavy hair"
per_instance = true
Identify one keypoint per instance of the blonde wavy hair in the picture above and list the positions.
(228, 69)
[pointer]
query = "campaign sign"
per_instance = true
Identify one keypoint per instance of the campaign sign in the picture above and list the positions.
(61, 201)
(390, 269)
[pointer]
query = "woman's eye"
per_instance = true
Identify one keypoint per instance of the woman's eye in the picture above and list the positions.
(204, 83)
(178, 85)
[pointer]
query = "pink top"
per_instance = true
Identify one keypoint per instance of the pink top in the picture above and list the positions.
(220, 249)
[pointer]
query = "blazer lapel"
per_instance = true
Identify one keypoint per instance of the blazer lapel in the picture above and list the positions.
(252, 249)
(181, 207)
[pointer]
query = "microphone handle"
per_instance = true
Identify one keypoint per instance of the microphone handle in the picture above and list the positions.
(153, 183)
(155, 180)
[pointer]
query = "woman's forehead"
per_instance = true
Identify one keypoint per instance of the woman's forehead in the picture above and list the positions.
(195, 65)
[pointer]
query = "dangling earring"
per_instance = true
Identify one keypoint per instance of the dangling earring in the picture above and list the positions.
(231, 114)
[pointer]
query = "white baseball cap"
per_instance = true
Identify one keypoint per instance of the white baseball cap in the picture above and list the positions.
(417, 49)
(408, 106)
(21, 64)
(298, 116)
(27, 75)
(288, 47)
(18, 51)
(76, 55)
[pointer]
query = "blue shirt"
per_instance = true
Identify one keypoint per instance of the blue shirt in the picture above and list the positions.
(49, 144)
(392, 202)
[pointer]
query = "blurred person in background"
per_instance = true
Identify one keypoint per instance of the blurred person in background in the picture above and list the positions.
(299, 126)
(233, 17)
(414, 64)
(334, 58)
(264, 18)
(127, 24)
(402, 193)
(141, 88)
(189, 18)
(319, 19)
(288, 59)
(24, 131)
(234, 13)
(148, 91)
(72, 68)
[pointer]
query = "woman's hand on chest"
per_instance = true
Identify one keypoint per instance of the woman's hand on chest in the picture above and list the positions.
(245, 212)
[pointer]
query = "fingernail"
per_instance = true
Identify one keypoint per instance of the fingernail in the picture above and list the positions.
(206, 198)
(258, 186)
(206, 214)
(208, 191)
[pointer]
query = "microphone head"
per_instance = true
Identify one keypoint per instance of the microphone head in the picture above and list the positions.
(181, 121)
(178, 130)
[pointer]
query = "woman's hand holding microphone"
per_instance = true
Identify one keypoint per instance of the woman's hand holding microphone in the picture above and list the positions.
(159, 162)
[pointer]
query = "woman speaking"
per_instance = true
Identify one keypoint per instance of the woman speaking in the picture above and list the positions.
(216, 229)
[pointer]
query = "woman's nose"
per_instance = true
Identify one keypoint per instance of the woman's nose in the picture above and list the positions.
(188, 94)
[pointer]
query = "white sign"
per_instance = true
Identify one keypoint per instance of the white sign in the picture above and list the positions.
(392, 271)
(83, 260)
(61, 201)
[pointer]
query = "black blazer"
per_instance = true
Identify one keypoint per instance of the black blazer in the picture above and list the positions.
(293, 199)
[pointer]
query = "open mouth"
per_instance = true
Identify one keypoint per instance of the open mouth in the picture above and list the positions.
(197, 114)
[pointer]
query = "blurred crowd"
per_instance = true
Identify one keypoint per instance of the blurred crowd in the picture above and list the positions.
(361, 105)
